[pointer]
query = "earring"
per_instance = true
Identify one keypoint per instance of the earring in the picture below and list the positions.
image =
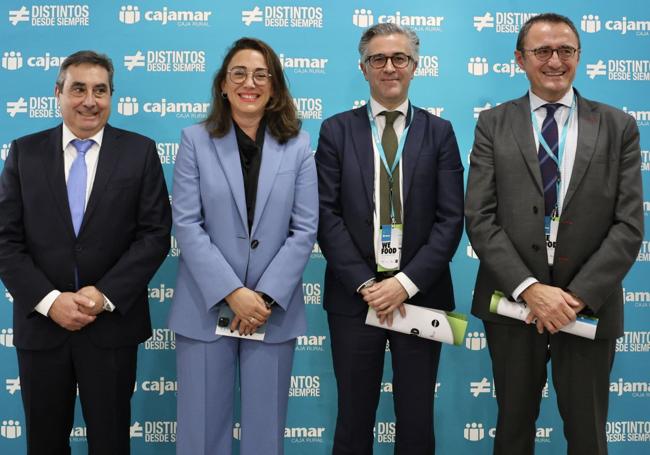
(224, 95)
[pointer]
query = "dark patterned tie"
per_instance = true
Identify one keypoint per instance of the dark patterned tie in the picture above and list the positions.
(389, 144)
(546, 164)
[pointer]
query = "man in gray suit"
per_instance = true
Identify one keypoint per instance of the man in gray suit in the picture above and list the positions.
(554, 212)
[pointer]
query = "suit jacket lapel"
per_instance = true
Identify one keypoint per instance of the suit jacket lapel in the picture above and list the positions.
(108, 156)
(272, 153)
(411, 151)
(227, 153)
(588, 128)
(522, 131)
(363, 148)
(55, 173)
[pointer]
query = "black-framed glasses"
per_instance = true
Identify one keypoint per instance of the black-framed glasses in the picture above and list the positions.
(399, 60)
(239, 74)
(545, 53)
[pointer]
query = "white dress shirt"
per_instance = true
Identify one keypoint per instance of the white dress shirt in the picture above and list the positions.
(568, 157)
(398, 126)
(69, 155)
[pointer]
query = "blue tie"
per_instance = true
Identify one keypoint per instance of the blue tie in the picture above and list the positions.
(546, 163)
(77, 180)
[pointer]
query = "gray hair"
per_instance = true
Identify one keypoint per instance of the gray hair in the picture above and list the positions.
(389, 29)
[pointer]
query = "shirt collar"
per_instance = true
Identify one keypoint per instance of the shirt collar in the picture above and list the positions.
(536, 102)
(68, 136)
(376, 108)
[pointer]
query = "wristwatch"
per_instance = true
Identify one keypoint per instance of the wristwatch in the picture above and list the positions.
(268, 300)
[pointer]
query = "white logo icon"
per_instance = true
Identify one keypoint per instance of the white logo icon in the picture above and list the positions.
(129, 14)
(475, 341)
(13, 385)
(474, 431)
(136, 430)
(7, 295)
(481, 22)
(479, 109)
(4, 152)
(590, 23)
(236, 431)
(358, 103)
(12, 60)
(363, 18)
(18, 15)
(10, 429)
(7, 338)
(596, 69)
(471, 253)
(17, 107)
(128, 106)
(250, 16)
(477, 66)
(478, 387)
(133, 61)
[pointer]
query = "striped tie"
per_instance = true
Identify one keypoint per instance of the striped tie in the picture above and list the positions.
(547, 165)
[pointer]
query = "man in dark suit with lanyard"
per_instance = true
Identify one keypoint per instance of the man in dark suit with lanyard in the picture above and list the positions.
(554, 212)
(390, 183)
(84, 225)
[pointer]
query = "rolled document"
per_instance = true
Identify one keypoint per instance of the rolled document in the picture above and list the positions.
(583, 326)
(437, 325)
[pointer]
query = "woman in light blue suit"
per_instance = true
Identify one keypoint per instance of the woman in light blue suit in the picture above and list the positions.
(245, 207)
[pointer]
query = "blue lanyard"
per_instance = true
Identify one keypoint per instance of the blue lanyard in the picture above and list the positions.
(560, 147)
(382, 155)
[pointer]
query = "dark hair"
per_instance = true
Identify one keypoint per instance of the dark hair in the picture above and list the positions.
(553, 18)
(89, 57)
(281, 115)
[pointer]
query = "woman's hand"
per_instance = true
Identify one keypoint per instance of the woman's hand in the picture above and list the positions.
(249, 308)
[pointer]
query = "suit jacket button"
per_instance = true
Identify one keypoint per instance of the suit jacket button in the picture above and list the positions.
(254, 243)
(535, 209)
(535, 247)
(78, 248)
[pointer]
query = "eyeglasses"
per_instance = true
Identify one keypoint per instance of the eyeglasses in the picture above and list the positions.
(239, 74)
(545, 53)
(399, 60)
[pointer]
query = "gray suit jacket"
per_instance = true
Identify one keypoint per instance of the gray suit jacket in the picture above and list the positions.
(601, 228)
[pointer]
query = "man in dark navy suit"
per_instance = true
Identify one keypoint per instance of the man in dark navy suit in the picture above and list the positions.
(391, 214)
(84, 225)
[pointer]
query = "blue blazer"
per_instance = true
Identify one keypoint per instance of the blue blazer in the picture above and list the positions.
(432, 199)
(218, 255)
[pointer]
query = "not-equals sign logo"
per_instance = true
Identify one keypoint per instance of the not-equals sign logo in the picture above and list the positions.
(17, 107)
(18, 15)
(479, 109)
(134, 61)
(250, 16)
(596, 69)
(136, 430)
(13, 385)
(485, 21)
(478, 387)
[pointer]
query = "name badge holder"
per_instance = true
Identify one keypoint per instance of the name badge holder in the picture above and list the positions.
(552, 222)
(390, 252)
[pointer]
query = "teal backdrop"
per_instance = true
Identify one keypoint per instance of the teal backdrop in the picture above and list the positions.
(165, 54)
